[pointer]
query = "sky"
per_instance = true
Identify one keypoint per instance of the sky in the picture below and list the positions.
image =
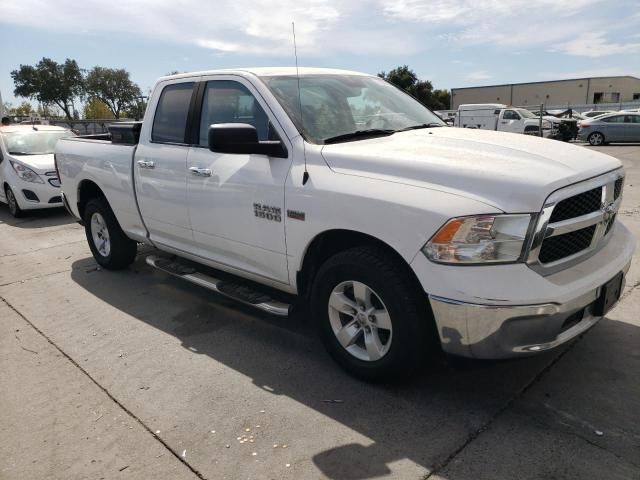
(453, 43)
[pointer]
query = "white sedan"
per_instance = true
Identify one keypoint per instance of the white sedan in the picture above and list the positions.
(28, 176)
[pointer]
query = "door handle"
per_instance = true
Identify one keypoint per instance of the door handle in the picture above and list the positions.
(146, 164)
(200, 172)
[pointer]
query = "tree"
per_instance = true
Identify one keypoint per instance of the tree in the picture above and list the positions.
(50, 82)
(442, 99)
(22, 110)
(97, 109)
(422, 90)
(113, 88)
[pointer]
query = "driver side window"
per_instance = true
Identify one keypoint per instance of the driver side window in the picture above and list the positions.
(226, 101)
(511, 115)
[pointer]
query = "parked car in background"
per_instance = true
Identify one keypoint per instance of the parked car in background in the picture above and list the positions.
(615, 127)
(27, 173)
(401, 236)
(503, 118)
(596, 113)
(496, 116)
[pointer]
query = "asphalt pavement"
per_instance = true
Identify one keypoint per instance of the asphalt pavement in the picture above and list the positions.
(138, 375)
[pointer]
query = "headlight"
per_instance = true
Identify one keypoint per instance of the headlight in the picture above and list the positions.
(480, 239)
(26, 174)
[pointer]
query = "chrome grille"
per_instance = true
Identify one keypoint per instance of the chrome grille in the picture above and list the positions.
(574, 222)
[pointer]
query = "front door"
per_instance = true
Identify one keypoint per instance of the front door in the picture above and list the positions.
(160, 169)
(511, 122)
(236, 201)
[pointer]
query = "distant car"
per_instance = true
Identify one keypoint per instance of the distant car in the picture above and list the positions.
(616, 127)
(596, 113)
(27, 172)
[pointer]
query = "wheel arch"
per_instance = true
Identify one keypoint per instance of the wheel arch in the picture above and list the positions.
(87, 189)
(330, 242)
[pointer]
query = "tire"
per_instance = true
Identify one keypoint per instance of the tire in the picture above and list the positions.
(372, 352)
(111, 248)
(595, 139)
(12, 202)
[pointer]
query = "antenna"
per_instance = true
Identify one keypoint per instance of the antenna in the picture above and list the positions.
(305, 175)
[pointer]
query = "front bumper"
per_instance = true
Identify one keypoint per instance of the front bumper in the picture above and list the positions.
(32, 196)
(530, 313)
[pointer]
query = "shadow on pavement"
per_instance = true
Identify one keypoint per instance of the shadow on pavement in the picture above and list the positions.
(423, 421)
(48, 217)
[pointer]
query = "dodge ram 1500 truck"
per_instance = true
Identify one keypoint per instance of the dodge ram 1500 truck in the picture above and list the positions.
(403, 237)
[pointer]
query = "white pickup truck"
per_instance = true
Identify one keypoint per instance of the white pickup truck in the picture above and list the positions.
(502, 118)
(404, 238)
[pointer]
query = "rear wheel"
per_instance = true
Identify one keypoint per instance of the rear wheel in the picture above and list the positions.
(373, 318)
(14, 208)
(111, 248)
(596, 138)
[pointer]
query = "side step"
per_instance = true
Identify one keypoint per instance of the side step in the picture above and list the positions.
(235, 290)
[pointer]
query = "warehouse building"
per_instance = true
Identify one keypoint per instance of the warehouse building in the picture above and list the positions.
(578, 91)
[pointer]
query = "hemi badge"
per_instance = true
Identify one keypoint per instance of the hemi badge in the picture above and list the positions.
(296, 215)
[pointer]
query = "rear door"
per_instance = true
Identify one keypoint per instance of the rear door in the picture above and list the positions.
(236, 201)
(613, 128)
(160, 167)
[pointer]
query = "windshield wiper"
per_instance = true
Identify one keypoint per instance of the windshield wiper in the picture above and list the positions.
(423, 125)
(371, 132)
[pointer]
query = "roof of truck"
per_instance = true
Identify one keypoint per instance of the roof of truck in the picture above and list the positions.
(269, 71)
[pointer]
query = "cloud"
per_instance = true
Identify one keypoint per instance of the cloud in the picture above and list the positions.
(507, 24)
(251, 26)
(478, 76)
(595, 44)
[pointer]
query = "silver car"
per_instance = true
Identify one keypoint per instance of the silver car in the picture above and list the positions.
(614, 127)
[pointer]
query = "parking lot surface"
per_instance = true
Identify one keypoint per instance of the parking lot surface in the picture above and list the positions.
(135, 374)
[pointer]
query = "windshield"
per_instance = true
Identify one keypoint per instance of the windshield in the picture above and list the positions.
(33, 142)
(526, 113)
(339, 105)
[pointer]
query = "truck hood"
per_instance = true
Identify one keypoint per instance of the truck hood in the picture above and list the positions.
(508, 171)
(39, 163)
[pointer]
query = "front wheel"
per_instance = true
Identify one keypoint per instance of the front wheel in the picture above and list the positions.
(595, 139)
(14, 208)
(373, 318)
(111, 248)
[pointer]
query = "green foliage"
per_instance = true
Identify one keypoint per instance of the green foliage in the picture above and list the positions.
(113, 88)
(97, 109)
(422, 90)
(50, 82)
(24, 109)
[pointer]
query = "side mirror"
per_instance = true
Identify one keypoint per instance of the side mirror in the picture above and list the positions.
(242, 138)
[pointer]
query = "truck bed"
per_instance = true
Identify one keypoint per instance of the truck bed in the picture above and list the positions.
(106, 161)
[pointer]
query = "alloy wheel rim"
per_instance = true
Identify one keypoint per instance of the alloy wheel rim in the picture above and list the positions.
(596, 139)
(360, 321)
(100, 235)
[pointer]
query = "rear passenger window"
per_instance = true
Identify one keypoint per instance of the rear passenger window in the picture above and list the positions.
(616, 119)
(170, 120)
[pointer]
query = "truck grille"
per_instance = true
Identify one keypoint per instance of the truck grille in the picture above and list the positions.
(556, 248)
(575, 221)
(577, 205)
